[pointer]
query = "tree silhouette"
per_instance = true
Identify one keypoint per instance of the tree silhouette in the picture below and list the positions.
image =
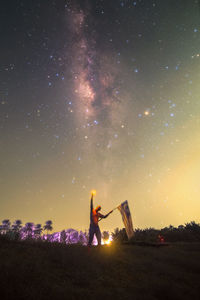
(28, 229)
(48, 226)
(37, 230)
(119, 235)
(63, 237)
(105, 236)
(82, 239)
(16, 227)
(5, 226)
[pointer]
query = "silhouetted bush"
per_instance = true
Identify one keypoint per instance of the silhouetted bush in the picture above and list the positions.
(119, 235)
(190, 232)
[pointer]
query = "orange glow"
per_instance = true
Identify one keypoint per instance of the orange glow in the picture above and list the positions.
(93, 192)
(107, 242)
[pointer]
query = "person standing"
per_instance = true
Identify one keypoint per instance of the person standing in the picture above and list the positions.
(95, 217)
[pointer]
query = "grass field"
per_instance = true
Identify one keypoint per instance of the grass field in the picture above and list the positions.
(31, 270)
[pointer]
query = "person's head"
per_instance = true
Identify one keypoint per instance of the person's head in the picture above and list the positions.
(98, 208)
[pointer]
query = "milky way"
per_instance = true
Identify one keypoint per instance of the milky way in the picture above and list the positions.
(98, 108)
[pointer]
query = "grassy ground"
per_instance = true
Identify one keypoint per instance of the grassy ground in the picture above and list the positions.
(55, 271)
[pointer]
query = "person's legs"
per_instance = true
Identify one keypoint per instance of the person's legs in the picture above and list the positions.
(91, 235)
(98, 235)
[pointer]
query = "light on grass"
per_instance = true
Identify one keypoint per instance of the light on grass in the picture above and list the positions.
(107, 242)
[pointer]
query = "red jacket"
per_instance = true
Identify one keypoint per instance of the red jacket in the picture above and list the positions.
(95, 217)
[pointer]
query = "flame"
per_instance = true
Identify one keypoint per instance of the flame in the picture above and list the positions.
(93, 192)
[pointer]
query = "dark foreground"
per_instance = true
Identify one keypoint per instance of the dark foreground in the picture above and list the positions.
(54, 271)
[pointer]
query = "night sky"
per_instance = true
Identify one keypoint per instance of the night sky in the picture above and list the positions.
(100, 94)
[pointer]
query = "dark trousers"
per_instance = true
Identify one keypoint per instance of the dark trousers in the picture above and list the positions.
(94, 229)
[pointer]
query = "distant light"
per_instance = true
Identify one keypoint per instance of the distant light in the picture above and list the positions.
(136, 71)
(146, 113)
(195, 30)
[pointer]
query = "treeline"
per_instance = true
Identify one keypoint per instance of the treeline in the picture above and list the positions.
(19, 231)
(37, 232)
(190, 232)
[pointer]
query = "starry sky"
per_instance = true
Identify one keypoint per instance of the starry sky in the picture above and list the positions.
(100, 94)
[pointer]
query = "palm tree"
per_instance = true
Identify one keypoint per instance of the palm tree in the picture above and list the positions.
(5, 226)
(48, 226)
(28, 229)
(17, 225)
(37, 230)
